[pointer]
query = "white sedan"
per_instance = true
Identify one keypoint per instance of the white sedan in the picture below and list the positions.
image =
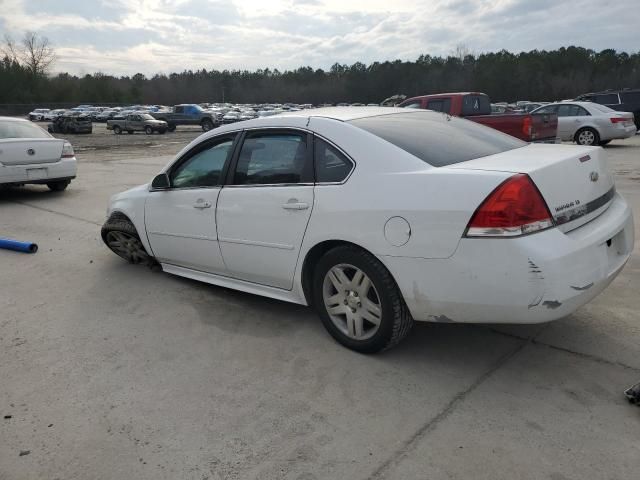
(588, 123)
(377, 217)
(29, 154)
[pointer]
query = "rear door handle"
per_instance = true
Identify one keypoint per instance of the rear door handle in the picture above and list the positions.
(202, 204)
(295, 206)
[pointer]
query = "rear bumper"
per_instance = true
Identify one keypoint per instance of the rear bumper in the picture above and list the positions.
(619, 132)
(66, 168)
(532, 279)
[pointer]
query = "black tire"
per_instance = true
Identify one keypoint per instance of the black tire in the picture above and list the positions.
(130, 132)
(148, 130)
(117, 130)
(58, 186)
(395, 321)
(206, 125)
(171, 127)
(604, 142)
(587, 132)
(119, 224)
(163, 131)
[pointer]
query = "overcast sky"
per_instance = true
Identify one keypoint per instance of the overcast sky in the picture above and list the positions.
(123, 37)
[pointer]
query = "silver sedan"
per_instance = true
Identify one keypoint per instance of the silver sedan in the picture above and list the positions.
(588, 123)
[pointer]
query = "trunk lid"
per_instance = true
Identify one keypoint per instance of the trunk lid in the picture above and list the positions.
(574, 181)
(20, 151)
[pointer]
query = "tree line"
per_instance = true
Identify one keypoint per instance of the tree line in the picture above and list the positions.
(505, 76)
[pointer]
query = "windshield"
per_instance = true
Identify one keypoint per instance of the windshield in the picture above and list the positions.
(438, 139)
(146, 116)
(13, 129)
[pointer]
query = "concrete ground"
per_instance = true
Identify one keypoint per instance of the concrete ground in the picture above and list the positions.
(114, 371)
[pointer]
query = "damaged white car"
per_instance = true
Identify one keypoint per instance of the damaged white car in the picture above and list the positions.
(377, 217)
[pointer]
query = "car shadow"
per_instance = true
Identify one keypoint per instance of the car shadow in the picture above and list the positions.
(29, 192)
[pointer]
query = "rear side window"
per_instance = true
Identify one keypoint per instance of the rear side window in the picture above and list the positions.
(475, 105)
(9, 129)
(331, 165)
(606, 99)
(440, 105)
(569, 110)
(437, 139)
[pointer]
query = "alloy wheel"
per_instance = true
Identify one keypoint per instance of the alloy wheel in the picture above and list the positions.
(126, 246)
(352, 302)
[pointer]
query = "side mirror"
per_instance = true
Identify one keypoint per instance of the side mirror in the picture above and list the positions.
(160, 182)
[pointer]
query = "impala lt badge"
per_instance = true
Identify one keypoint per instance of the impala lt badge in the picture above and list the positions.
(594, 176)
(31, 151)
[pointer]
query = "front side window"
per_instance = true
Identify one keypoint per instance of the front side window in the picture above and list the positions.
(331, 165)
(203, 168)
(413, 105)
(548, 109)
(271, 158)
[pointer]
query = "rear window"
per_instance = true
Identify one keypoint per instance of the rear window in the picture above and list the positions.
(438, 139)
(9, 129)
(602, 108)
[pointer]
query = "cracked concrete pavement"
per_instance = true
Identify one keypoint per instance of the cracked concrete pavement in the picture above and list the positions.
(111, 371)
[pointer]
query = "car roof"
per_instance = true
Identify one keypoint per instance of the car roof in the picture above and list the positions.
(344, 114)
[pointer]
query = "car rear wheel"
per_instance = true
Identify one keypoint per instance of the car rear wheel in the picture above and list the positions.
(117, 130)
(171, 127)
(58, 186)
(121, 237)
(358, 301)
(148, 130)
(587, 136)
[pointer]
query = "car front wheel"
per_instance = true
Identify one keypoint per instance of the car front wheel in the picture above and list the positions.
(358, 301)
(148, 130)
(121, 237)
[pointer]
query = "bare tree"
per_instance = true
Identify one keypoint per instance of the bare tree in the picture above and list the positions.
(35, 52)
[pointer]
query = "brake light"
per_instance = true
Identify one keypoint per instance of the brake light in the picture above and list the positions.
(618, 119)
(514, 208)
(527, 127)
(67, 150)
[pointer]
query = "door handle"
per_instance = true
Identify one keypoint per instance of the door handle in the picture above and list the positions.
(202, 204)
(295, 206)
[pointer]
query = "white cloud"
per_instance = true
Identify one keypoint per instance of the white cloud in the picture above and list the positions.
(149, 36)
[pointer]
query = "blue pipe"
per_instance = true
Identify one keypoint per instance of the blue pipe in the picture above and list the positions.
(26, 247)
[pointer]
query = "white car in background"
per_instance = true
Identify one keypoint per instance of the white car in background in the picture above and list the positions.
(588, 123)
(38, 114)
(380, 216)
(30, 155)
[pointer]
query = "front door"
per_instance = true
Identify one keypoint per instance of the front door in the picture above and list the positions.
(263, 214)
(181, 220)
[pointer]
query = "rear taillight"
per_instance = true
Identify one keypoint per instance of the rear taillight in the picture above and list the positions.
(618, 119)
(526, 127)
(67, 150)
(514, 208)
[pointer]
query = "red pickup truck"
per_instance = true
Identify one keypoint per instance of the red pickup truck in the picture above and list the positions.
(477, 107)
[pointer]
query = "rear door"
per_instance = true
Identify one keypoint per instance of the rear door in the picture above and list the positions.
(263, 212)
(570, 119)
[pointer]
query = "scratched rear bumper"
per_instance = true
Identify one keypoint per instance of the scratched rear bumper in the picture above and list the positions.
(532, 279)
